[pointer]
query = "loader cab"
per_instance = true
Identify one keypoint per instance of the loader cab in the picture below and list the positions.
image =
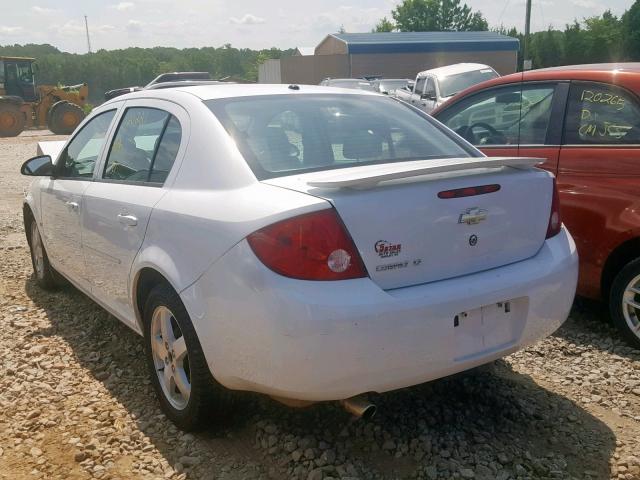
(17, 79)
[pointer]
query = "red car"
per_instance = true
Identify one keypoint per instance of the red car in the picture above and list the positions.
(584, 120)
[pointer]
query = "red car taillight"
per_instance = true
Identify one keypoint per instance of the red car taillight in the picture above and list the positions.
(555, 222)
(313, 246)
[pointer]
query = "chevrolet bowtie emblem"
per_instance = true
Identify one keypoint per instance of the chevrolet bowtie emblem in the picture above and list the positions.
(472, 216)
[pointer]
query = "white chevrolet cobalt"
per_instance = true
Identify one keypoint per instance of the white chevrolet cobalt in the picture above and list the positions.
(308, 243)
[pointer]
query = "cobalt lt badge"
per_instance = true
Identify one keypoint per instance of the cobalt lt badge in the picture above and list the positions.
(473, 240)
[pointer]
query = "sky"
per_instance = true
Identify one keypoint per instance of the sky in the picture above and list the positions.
(243, 23)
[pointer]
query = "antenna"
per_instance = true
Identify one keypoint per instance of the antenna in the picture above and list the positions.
(86, 27)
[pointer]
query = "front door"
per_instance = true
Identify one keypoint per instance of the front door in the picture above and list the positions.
(512, 120)
(61, 201)
(118, 204)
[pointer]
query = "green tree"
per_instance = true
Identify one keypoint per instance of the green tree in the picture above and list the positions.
(631, 31)
(547, 48)
(384, 25)
(437, 15)
(604, 38)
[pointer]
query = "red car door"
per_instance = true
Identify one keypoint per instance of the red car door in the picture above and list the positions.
(517, 119)
(599, 174)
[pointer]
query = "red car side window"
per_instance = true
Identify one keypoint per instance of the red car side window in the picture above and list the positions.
(599, 113)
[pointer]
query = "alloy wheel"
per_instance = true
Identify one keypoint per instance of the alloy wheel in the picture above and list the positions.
(170, 358)
(631, 305)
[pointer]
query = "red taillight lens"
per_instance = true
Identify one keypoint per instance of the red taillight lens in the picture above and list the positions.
(314, 246)
(555, 222)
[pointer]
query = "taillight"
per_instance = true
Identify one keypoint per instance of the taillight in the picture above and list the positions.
(555, 222)
(313, 246)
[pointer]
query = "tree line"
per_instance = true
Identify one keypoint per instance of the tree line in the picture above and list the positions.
(597, 39)
(108, 69)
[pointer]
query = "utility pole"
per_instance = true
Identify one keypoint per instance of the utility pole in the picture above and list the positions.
(526, 62)
(86, 27)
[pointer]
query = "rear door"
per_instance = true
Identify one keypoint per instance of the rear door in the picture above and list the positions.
(61, 199)
(599, 173)
(512, 120)
(130, 181)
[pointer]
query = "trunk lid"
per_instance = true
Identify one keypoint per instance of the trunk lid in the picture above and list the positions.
(407, 235)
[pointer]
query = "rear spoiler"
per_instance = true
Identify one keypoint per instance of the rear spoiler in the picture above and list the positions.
(370, 176)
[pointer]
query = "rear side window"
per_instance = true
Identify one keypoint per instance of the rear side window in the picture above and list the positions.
(284, 134)
(598, 113)
(144, 146)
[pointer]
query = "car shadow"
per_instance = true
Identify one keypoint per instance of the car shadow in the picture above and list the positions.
(590, 325)
(498, 421)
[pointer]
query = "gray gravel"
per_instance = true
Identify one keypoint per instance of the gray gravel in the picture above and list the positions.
(75, 401)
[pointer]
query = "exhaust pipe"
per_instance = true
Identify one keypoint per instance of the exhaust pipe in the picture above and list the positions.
(360, 407)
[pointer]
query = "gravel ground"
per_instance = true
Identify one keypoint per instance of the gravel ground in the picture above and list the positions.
(75, 401)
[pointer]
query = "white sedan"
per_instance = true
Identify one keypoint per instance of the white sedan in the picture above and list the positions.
(308, 243)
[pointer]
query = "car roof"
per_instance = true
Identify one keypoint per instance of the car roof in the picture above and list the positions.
(231, 90)
(626, 75)
(454, 69)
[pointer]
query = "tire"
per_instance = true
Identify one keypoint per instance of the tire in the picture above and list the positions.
(188, 393)
(624, 302)
(45, 275)
(12, 120)
(64, 117)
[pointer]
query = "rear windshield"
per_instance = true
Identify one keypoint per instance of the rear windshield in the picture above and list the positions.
(456, 83)
(281, 135)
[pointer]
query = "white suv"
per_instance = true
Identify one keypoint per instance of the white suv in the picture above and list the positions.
(304, 242)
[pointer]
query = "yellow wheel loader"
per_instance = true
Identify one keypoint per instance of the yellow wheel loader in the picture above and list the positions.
(24, 104)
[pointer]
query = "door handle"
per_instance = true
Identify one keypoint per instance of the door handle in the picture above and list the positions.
(72, 205)
(129, 220)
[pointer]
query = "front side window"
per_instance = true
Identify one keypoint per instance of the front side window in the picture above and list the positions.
(503, 116)
(601, 114)
(79, 158)
(139, 151)
(284, 134)
(25, 73)
(420, 83)
(1, 73)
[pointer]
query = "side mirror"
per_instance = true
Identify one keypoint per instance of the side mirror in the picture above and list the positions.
(40, 166)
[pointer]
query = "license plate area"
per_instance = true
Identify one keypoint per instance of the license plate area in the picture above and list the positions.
(490, 328)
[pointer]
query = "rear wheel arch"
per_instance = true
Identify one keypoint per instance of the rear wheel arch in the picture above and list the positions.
(146, 280)
(619, 257)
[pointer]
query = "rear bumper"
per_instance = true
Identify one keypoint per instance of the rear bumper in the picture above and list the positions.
(332, 340)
